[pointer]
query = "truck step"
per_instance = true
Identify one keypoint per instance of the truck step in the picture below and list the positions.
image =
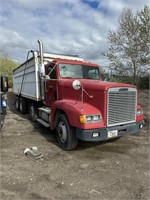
(46, 109)
(41, 121)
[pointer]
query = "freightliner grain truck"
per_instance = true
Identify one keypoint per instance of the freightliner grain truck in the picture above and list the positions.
(71, 96)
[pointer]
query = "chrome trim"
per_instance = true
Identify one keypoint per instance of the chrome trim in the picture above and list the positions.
(121, 106)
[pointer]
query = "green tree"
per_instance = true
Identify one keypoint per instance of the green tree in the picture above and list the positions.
(129, 45)
(6, 68)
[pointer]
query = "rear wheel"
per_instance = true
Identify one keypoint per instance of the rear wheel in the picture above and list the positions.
(4, 111)
(23, 106)
(33, 112)
(65, 134)
(17, 103)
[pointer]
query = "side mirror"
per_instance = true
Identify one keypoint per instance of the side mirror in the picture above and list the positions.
(4, 84)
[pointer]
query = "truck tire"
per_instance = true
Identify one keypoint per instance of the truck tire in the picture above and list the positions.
(4, 111)
(23, 106)
(65, 134)
(33, 112)
(17, 103)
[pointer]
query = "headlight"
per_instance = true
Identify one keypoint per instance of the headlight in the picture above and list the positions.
(90, 118)
(139, 112)
(4, 104)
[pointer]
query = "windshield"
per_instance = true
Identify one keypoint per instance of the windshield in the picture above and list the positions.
(80, 71)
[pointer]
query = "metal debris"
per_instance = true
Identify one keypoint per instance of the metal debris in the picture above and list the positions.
(33, 153)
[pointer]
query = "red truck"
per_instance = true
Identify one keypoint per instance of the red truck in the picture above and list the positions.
(70, 95)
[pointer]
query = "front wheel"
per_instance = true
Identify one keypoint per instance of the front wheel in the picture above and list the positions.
(65, 134)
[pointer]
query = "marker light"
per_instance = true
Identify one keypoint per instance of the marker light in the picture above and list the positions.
(95, 135)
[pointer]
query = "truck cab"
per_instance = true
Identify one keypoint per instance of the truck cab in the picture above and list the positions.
(97, 109)
(61, 70)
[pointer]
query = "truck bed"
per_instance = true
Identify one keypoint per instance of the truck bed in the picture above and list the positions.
(26, 81)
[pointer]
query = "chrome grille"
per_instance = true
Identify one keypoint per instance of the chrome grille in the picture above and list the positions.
(121, 106)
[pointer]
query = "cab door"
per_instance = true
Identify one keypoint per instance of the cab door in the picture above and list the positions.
(51, 86)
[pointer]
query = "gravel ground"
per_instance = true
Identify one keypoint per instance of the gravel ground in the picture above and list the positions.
(118, 170)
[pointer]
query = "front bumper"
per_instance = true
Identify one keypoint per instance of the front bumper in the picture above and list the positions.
(127, 129)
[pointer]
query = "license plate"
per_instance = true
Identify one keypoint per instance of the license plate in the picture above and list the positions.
(112, 134)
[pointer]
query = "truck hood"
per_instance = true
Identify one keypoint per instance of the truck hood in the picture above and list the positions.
(94, 95)
(102, 85)
(93, 85)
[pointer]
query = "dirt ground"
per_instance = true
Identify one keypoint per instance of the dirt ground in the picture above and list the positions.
(117, 170)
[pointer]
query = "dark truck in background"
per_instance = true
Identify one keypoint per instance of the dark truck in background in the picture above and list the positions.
(3, 91)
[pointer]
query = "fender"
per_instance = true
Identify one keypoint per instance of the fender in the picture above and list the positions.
(141, 117)
(73, 110)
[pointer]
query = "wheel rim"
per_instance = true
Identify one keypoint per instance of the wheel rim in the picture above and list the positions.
(32, 113)
(20, 106)
(62, 132)
(17, 104)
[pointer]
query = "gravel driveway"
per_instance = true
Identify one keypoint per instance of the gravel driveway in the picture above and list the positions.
(116, 170)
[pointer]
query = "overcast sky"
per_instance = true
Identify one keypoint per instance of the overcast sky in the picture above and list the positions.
(77, 27)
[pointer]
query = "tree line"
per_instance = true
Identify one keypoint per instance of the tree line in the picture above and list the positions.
(129, 46)
(6, 68)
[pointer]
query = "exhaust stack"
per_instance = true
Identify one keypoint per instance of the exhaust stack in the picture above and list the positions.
(41, 51)
(41, 67)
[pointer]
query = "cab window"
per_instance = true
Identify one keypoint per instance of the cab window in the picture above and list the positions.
(52, 72)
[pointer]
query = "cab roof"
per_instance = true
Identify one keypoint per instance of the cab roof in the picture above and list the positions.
(59, 60)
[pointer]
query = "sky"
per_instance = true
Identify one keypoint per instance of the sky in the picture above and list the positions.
(76, 27)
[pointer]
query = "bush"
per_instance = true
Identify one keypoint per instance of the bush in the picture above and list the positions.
(142, 83)
(122, 79)
(6, 68)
